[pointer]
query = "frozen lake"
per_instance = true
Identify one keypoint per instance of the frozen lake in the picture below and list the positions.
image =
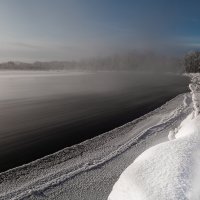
(44, 112)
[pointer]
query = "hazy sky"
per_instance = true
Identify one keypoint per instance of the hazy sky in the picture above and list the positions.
(33, 30)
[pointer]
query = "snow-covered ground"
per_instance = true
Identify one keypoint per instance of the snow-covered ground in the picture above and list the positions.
(90, 169)
(169, 170)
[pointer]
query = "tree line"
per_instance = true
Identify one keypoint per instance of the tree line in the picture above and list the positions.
(192, 62)
(146, 61)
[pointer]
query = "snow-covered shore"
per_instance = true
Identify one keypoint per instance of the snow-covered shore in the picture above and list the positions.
(89, 170)
(169, 170)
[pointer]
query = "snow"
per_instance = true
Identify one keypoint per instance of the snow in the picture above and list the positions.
(90, 169)
(169, 170)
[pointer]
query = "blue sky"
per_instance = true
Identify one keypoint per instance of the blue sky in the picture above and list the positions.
(46, 30)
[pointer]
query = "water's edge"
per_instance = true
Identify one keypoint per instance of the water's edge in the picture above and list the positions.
(74, 156)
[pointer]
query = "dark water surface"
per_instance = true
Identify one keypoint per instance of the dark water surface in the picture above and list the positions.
(41, 114)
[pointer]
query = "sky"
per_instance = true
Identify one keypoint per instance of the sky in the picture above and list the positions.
(46, 30)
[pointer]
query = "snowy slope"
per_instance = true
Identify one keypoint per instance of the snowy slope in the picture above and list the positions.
(167, 171)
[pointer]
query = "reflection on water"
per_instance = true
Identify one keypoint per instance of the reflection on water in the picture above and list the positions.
(42, 113)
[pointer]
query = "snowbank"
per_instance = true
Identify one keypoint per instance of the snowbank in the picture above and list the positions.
(167, 171)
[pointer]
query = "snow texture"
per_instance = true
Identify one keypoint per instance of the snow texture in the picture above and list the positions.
(169, 170)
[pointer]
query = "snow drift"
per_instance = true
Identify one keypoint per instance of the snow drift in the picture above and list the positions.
(167, 171)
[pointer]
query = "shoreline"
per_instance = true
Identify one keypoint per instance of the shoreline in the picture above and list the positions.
(168, 170)
(76, 156)
(104, 109)
(101, 136)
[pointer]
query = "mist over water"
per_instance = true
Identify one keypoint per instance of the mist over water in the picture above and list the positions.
(43, 113)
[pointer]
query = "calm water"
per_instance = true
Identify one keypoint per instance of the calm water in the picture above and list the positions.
(43, 113)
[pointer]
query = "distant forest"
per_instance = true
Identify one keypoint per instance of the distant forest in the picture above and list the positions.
(129, 61)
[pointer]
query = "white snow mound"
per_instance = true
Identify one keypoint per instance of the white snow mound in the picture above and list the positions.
(167, 171)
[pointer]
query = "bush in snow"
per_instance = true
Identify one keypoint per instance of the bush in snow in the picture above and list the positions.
(195, 91)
